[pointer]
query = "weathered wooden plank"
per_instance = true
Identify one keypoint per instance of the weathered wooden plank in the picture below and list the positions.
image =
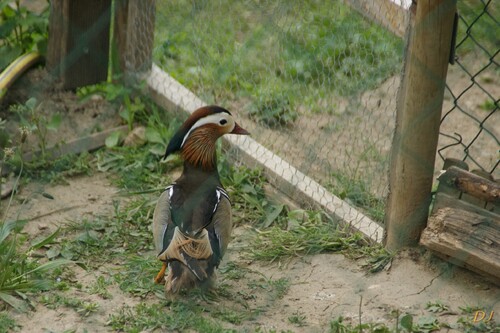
(471, 239)
(444, 200)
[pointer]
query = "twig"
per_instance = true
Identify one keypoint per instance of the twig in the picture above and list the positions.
(60, 210)
(359, 312)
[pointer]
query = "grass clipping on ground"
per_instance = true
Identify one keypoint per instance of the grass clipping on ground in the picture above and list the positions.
(305, 233)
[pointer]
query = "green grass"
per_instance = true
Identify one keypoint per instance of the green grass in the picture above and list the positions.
(273, 57)
(6, 323)
(357, 192)
(181, 316)
(307, 233)
(478, 26)
(19, 272)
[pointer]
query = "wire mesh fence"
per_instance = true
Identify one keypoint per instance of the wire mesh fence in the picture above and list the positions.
(314, 82)
(469, 127)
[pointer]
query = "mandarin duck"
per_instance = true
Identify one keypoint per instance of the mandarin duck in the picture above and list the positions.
(192, 220)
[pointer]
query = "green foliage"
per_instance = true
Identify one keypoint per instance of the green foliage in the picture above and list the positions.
(57, 170)
(21, 31)
(467, 324)
(136, 276)
(478, 21)
(7, 324)
(279, 287)
(249, 200)
(297, 318)
(377, 257)
(273, 109)
(129, 99)
(94, 242)
(436, 307)
(176, 316)
(356, 191)
(489, 105)
(34, 122)
(83, 308)
(273, 58)
(308, 232)
(110, 91)
(19, 273)
(100, 287)
(339, 326)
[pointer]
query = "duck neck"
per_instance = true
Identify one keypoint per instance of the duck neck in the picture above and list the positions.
(196, 175)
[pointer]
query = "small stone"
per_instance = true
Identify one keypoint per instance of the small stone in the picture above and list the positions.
(42, 226)
(96, 98)
(136, 138)
(7, 187)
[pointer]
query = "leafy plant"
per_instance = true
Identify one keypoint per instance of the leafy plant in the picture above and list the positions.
(340, 326)
(21, 30)
(297, 318)
(250, 202)
(100, 287)
(19, 273)
(377, 257)
(36, 123)
(467, 323)
(129, 100)
(436, 307)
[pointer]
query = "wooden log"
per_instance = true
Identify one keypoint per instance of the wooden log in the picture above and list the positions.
(479, 187)
(443, 187)
(78, 46)
(478, 201)
(418, 116)
(133, 38)
(472, 240)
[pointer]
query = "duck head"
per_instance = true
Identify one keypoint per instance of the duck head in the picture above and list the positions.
(196, 138)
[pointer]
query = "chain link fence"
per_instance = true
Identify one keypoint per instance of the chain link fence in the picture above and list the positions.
(469, 126)
(314, 82)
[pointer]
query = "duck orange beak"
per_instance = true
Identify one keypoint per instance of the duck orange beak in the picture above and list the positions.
(239, 130)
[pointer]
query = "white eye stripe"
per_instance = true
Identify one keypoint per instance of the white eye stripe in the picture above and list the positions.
(211, 119)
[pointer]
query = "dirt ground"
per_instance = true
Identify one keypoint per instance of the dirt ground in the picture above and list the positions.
(322, 287)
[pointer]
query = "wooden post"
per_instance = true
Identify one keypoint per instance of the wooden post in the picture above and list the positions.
(420, 100)
(133, 38)
(78, 47)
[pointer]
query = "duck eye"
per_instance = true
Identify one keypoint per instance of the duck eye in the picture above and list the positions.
(223, 122)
